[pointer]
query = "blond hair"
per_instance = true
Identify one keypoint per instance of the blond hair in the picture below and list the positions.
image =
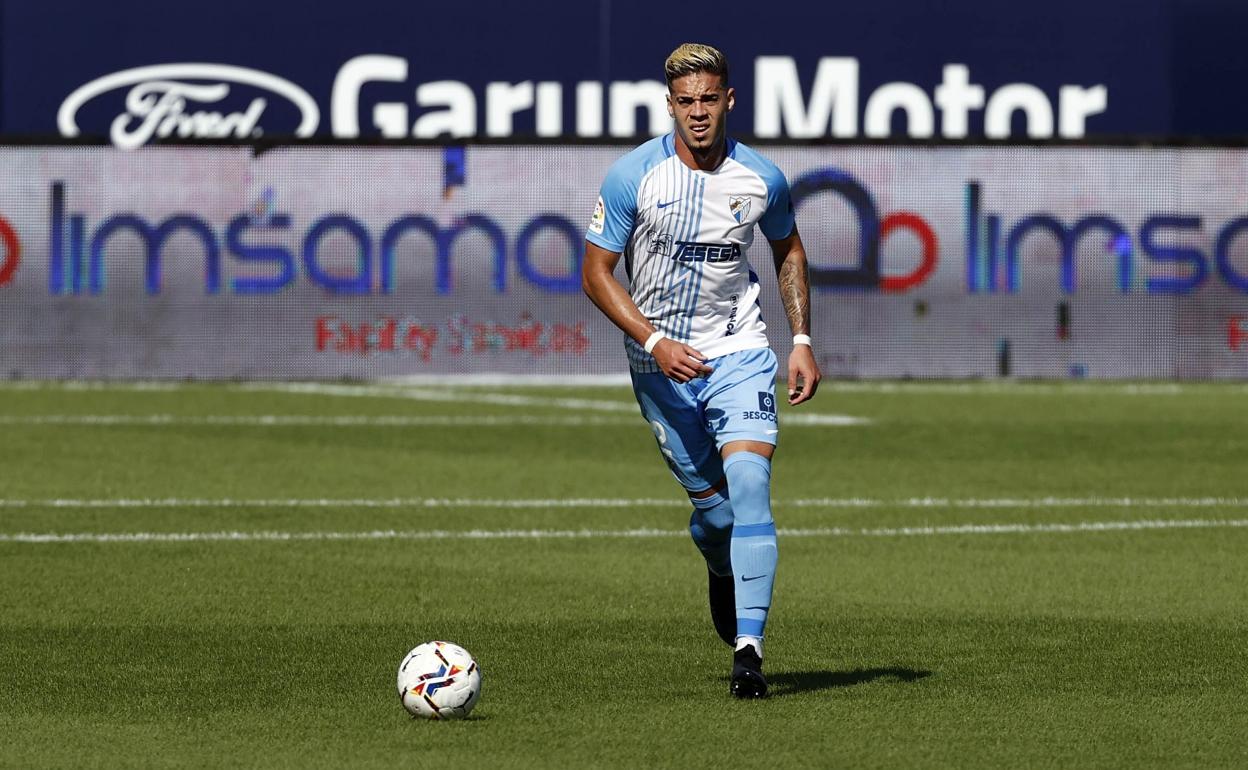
(695, 57)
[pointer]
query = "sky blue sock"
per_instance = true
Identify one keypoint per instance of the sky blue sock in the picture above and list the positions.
(711, 527)
(753, 539)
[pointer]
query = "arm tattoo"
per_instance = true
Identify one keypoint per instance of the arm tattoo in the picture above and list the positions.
(795, 291)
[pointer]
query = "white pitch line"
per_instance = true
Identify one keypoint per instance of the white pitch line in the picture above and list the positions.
(509, 399)
(627, 502)
(813, 418)
(1015, 387)
(427, 502)
(1035, 502)
(446, 395)
(466, 384)
(509, 380)
(568, 534)
(92, 385)
(374, 421)
(288, 420)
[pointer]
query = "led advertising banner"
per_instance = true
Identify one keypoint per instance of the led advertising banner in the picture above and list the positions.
(329, 262)
(131, 73)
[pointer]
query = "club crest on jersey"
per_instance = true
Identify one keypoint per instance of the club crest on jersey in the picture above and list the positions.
(739, 205)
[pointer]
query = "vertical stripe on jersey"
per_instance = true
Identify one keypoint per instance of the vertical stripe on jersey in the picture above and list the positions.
(701, 266)
(653, 270)
(695, 294)
(652, 280)
(652, 277)
(675, 273)
(671, 288)
(689, 293)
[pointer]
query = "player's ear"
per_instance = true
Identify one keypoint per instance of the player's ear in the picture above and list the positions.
(732, 98)
(671, 111)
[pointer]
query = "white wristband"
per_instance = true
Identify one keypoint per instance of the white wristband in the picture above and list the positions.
(653, 340)
(801, 339)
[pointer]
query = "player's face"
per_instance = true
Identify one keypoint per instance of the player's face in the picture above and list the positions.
(699, 103)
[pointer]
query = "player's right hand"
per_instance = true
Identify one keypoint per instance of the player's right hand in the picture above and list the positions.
(679, 361)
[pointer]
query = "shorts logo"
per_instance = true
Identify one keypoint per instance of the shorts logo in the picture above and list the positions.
(716, 420)
(766, 408)
(739, 205)
(766, 402)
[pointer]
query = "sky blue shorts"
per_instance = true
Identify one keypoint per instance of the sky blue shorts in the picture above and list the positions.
(692, 421)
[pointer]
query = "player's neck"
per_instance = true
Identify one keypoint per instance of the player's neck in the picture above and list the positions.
(708, 161)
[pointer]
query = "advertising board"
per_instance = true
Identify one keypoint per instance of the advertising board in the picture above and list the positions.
(327, 262)
(240, 71)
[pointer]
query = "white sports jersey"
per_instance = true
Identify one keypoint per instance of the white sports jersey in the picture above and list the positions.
(684, 235)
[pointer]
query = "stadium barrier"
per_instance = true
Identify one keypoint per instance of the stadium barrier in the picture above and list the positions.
(318, 262)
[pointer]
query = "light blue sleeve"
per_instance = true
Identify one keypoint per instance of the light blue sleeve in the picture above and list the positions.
(616, 210)
(777, 221)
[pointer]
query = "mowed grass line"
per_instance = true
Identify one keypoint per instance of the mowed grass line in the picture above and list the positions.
(1035, 443)
(1105, 650)
(878, 520)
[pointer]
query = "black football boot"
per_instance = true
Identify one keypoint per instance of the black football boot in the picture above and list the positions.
(747, 674)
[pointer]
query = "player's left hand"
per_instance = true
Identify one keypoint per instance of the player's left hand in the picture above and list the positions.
(804, 375)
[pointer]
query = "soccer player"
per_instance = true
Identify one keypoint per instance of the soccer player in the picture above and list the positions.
(682, 209)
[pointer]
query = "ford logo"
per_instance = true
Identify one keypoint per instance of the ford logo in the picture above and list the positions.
(161, 104)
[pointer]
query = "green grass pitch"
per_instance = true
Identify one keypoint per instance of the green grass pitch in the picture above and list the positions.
(976, 575)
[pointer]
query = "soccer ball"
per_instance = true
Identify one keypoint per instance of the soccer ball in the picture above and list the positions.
(439, 680)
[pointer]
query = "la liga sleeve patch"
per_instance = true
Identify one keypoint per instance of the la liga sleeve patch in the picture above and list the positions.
(598, 222)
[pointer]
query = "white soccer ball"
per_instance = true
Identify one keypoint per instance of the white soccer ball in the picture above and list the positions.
(439, 680)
